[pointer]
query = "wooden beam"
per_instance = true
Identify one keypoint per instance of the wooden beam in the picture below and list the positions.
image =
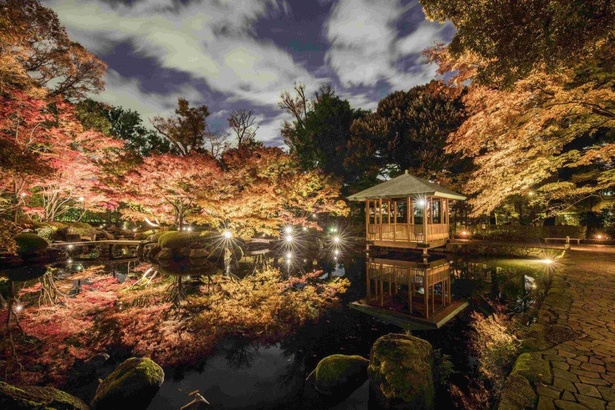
(394, 202)
(367, 219)
(380, 213)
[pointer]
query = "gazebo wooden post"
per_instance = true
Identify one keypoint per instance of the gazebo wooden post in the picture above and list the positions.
(367, 217)
(380, 220)
(394, 202)
(408, 220)
(425, 222)
(368, 280)
(410, 290)
(381, 277)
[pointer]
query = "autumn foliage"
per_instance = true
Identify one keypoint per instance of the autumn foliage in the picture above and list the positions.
(146, 318)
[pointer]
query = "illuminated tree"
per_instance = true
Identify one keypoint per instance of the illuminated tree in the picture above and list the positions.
(50, 162)
(122, 124)
(244, 126)
(508, 41)
(166, 187)
(35, 45)
(187, 130)
(320, 130)
(542, 102)
(264, 189)
(409, 131)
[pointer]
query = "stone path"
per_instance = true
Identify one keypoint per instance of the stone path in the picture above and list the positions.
(574, 363)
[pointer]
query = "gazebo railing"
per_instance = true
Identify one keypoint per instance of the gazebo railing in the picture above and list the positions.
(406, 232)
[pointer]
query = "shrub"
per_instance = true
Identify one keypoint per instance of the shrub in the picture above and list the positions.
(178, 240)
(495, 346)
(48, 231)
(528, 233)
(29, 243)
(81, 229)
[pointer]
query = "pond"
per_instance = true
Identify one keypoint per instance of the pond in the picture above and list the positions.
(241, 372)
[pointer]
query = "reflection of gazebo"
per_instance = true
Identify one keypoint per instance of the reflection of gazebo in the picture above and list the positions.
(407, 212)
(410, 294)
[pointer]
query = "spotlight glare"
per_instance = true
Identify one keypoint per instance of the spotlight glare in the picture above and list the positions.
(288, 230)
(288, 238)
(227, 234)
(18, 308)
(421, 203)
(547, 261)
(336, 239)
(289, 255)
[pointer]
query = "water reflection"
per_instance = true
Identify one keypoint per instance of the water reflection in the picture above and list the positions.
(271, 373)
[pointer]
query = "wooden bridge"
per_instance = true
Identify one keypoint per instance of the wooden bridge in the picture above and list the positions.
(106, 245)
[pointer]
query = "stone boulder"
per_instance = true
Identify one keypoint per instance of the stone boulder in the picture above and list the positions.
(400, 373)
(165, 253)
(34, 397)
(340, 375)
(198, 253)
(135, 381)
(153, 251)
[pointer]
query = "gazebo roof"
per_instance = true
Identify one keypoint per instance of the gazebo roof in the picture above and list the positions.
(404, 186)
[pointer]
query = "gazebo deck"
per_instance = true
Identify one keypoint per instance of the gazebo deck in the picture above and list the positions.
(406, 321)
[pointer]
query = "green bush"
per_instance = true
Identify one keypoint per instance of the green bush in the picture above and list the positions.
(178, 240)
(81, 229)
(49, 231)
(527, 233)
(29, 243)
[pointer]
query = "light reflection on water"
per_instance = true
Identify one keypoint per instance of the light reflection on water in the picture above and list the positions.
(248, 375)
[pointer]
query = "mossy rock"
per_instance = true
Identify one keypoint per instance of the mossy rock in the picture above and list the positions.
(84, 230)
(340, 375)
(533, 367)
(400, 372)
(517, 394)
(198, 253)
(164, 253)
(49, 231)
(135, 381)
(188, 240)
(153, 251)
(30, 243)
(34, 397)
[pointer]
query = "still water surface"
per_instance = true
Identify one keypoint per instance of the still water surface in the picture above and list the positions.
(249, 375)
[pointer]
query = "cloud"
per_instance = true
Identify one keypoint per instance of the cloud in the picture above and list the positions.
(128, 93)
(366, 47)
(210, 40)
(213, 49)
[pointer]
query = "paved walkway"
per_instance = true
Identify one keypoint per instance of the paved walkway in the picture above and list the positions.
(581, 314)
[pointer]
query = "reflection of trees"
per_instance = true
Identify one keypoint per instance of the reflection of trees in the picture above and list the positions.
(175, 292)
(241, 354)
(50, 293)
(11, 317)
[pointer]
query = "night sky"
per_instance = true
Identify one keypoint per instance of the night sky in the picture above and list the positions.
(232, 54)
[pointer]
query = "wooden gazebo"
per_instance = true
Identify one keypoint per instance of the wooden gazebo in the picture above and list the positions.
(407, 212)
